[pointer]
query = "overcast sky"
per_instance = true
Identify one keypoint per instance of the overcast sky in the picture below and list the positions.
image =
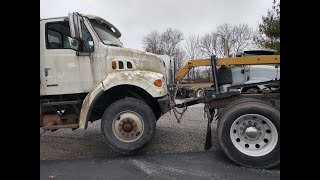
(136, 18)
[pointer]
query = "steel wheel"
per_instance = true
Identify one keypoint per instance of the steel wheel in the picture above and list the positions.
(254, 135)
(127, 126)
(249, 133)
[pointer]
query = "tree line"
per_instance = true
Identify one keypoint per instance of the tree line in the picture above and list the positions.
(223, 41)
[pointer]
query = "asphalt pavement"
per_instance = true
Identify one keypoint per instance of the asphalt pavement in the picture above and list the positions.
(195, 165)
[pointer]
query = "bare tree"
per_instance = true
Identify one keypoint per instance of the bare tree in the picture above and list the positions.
(192, 48)
(242, 37)
(180, 58)
(170, 40)
(222, 41)
(234, 38)
(167, 43)
(225, 32)
(152, 43)
(164, 43)
(209, 44)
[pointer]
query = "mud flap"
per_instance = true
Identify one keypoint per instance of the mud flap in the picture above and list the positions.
(208, 143)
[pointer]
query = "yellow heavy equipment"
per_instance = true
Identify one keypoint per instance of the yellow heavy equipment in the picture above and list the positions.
(250, 60)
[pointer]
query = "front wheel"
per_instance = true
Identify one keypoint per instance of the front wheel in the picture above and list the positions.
(249, 133)
(128, 125)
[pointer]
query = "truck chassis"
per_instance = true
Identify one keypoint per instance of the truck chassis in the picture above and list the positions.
(248, 123)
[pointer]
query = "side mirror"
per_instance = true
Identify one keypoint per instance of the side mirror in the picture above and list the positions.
(75, 27)
(74, 42)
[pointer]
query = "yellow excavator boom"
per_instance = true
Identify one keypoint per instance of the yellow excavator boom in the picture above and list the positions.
(248, 60)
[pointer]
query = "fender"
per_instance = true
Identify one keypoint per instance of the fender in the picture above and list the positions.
(142, 79)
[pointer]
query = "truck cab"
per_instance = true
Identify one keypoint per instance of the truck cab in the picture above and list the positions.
(86, 75)
(246, 74)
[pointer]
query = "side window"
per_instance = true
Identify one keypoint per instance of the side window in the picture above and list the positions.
(54, 40)
(54, 37)
(58, 36)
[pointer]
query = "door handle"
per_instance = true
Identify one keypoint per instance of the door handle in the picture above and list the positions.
(46, 72)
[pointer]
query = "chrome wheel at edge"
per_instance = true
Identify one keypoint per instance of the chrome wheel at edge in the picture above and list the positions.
(253, 135)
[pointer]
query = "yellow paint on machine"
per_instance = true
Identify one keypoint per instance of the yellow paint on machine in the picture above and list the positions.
(251, 60)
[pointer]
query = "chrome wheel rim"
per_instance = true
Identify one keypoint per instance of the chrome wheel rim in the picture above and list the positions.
(254, 135)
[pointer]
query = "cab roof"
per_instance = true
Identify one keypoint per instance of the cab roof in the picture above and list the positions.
(112, 27)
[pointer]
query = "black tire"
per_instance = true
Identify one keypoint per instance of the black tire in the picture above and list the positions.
(130, 105)
(185, 92)
(181, 92)
(245, 107)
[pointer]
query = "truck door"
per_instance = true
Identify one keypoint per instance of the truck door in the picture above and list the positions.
(62, 70)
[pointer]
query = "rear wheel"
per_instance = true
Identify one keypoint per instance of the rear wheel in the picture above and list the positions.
(249, 133)
(128, 125)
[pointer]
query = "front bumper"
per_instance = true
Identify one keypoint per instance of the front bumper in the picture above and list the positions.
(164, 104)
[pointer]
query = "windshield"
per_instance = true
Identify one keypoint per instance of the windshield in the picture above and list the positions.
(257, 53)
(105, 33)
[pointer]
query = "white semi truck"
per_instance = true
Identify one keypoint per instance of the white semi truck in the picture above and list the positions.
(255, 73)
(86, 74)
